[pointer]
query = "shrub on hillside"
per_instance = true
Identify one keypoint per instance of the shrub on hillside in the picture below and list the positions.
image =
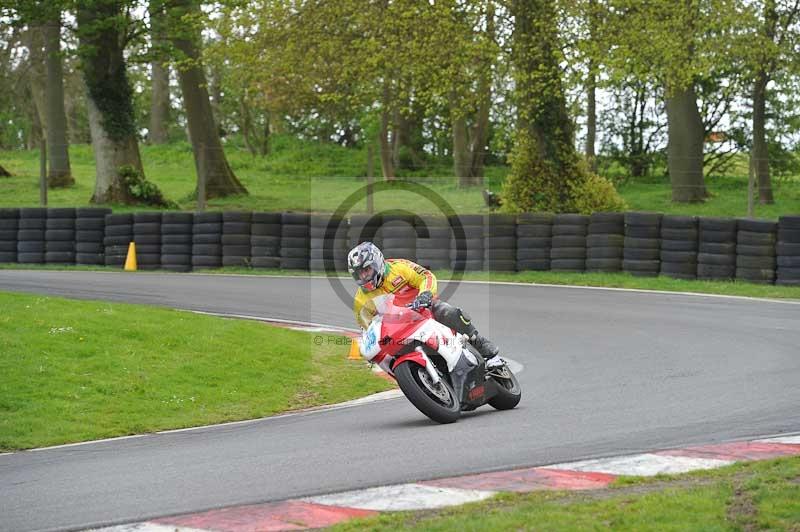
(596, 194)
(536, 183)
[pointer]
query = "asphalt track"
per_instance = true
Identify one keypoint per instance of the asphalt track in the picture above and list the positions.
(606, 373)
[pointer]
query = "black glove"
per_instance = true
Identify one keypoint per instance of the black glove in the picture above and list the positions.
(423, 300)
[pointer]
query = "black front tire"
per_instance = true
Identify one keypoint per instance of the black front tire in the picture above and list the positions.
(509, 392)
(408, 377)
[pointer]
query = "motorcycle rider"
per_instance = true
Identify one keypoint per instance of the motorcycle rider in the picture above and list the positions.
(377, 276)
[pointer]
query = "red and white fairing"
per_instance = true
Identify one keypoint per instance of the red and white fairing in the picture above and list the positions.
(395, 326)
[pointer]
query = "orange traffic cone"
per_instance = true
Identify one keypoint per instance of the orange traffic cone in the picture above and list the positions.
(355, 352)
(130, 260)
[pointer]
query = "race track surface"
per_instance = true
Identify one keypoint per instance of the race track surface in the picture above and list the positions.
(606, 373)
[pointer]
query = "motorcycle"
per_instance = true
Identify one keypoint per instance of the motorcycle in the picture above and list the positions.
(436, 368)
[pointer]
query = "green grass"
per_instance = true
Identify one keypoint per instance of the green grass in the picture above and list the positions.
(749, 496)
(608, 280)
(318, 177)
(77, 370)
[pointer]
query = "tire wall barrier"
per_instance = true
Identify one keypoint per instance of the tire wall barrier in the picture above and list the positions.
(265, 240)
(177, 232)
(434, 240)
(500, 243)
(604, 242)
(90, 227)
(568, 251)
(207, 240)
(534, 239)
(9, 228)
(641, 253)
(466, 246)
(640, 243)
(679, 247)
(329, 243)
(788, 251)
(31, 235)
(295, 241)
(147, 236)
(236, 234)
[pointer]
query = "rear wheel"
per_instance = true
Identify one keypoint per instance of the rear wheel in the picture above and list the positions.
(509, 392)
(438, 401)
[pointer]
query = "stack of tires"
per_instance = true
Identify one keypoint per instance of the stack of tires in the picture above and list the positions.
(30, 236)
(788, 251)
(9, 226)
(755, 251)
(641, 255)
(176, 241)
(398, 236)
(605, 242)
(679, 246)
(295, 241)
(328, 243)
(60, 236)
(90, 226)
(466, 247)
(433, 242)
(147, 236)
(717, 257)
(363, 228)
(568, 247)
(236, 238)
(265, 240)
(500, 243)
(534, 239)
(118, 235)
(207, 240)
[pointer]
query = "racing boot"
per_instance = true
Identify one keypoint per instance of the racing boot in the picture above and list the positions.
(487, 349)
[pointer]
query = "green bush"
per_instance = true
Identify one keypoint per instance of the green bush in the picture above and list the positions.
(538, 184)
(596, 194)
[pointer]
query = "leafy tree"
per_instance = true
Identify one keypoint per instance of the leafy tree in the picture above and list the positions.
(103, 31)
(184, 18)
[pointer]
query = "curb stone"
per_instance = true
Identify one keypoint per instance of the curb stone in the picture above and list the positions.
(327, 510)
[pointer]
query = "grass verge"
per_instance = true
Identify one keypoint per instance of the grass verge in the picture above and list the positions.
(77, 370)
(747, 496)
(318, 177)
(602, 280)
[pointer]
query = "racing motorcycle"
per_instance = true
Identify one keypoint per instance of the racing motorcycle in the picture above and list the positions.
(437, 369)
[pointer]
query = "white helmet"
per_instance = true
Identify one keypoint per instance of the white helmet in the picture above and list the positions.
(365, 263)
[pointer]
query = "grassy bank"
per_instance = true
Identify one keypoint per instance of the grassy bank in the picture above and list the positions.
(77, 370)
(749, 496)
(318, 177)
(607, 280)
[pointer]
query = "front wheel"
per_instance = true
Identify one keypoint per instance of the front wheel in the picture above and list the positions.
(437, 401)
(509, 392)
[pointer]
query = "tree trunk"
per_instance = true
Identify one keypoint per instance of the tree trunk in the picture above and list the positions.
(760, 153)
(209, 158)
(59, 173)
(387, 167)
(685, 146)
(109, 99)
(480, 135)
(265, 142)
(37, 78)
(461, 155)
(591, 117)
(158, 132)
(109, 156)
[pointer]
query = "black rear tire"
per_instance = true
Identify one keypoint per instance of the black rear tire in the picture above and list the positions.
(509, 392)
(409, 379)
